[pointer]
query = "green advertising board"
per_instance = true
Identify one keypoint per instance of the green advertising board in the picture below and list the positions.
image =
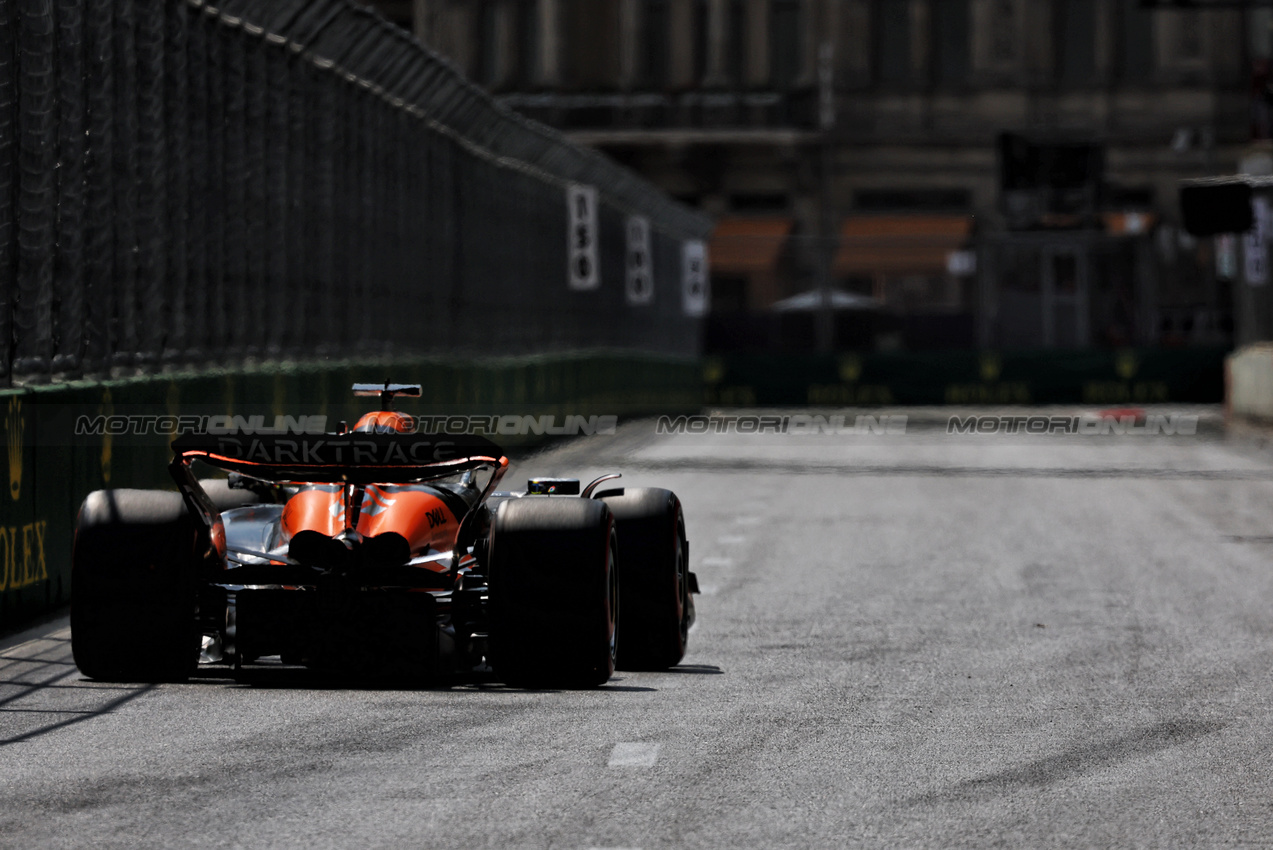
(881, 379)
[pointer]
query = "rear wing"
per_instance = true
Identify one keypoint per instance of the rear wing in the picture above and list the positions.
(356, 458)
(353, 460)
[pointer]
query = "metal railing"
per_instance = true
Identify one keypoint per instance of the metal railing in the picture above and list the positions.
(183, 184)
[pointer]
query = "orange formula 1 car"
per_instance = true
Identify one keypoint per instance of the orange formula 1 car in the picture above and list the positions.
(378, 550)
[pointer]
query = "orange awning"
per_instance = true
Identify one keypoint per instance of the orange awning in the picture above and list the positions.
(901, 244)
(741, 245)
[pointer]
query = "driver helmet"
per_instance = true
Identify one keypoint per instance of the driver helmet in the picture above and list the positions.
(385, 422)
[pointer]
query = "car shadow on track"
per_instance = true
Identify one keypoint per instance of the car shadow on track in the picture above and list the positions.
(278, 677)
(281, 677)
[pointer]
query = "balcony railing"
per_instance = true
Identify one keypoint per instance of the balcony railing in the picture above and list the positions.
(693, 110)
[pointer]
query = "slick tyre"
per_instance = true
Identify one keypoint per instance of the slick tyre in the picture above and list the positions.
(554, 593)
(654, 583)
(134, 609)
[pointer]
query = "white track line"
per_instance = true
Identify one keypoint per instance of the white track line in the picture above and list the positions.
(634, 754)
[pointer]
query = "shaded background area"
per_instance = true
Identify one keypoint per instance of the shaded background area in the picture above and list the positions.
(995, 174)
(190, 185)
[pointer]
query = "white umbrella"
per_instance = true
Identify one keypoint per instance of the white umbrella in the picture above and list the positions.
(807, 302)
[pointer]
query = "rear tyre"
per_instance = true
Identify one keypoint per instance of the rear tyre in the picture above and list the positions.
(657, 606)
(554, 593)
(134, 602)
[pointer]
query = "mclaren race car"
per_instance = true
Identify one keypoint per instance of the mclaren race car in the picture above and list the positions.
(377, 551)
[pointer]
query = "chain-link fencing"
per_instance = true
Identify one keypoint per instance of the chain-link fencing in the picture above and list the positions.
(190, 185)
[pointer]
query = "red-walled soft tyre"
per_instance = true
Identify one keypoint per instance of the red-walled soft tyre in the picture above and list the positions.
(554, 592)
(657, 607)
(134, 598)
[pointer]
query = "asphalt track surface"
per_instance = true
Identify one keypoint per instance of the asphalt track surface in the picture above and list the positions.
(915, 640)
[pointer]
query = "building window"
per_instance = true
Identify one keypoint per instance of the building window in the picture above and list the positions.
(489, 54)
(526, 28)
(590, 42)
(1076, 50)
(952, 41)
(1136, 39)
(998, 31)
(655, 36)
(1189, 41)
(893, 41)
(736, 43)
(702, 39)
(1003, 32)
(786, 56)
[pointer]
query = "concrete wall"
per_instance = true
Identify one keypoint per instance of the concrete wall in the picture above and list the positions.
(1249, 383)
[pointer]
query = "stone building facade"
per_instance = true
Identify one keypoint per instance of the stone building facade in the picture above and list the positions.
(864, 140)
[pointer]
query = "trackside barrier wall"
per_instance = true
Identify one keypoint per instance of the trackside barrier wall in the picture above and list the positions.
(197, 183)
(51, 469)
